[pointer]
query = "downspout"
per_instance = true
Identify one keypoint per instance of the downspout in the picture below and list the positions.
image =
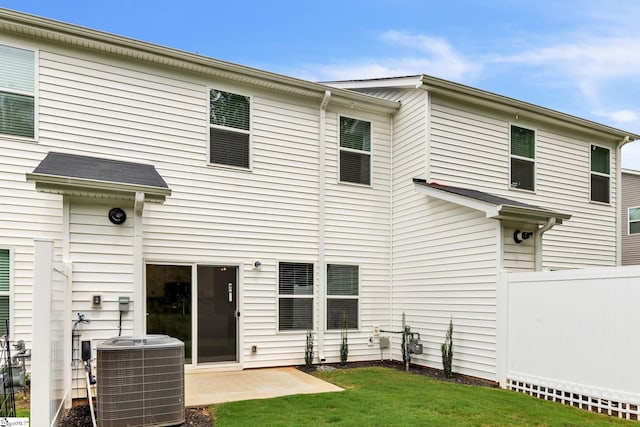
(322, 268)
(138, 294)
(391, 230)
(538, 241)
(624, 141)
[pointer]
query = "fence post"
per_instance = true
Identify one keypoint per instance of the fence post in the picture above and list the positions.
(502, 328)
(41, 354)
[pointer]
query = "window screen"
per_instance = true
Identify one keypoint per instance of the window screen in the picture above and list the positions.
(295, 301)
(523, 148)
(229, 119)
(355, 151)
(600, 179)
(17, 88)
(342, 296)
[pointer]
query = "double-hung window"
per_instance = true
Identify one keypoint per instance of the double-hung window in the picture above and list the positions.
(355, 151)
(523, 158)
(230, 128)
(17, 90)
(5, 288)
(342, 296)
(634, 220)
(600, 174)
(295, 296)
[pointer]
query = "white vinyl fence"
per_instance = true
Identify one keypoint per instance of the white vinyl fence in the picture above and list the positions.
(50, 367)
(574, 337)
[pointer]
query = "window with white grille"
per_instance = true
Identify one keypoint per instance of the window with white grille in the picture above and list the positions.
(600, 174)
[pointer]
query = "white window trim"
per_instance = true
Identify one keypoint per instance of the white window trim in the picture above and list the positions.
(534, 160)
(328, 296)
(36, 91)
(370, 152)
(249, 132)
(629, 221)
(599, 174)
(311, 296)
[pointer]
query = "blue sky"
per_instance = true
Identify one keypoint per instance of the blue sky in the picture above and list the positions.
(578, 57)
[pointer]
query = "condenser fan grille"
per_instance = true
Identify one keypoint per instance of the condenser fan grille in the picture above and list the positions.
(140, 382)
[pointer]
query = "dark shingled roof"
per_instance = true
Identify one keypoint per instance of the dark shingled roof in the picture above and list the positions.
(98, 169)
(479, 195)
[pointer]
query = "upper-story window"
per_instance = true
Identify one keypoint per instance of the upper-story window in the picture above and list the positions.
(17, 90)
(634, 220)
(600, 174)
(523, 158)
(355, 151)
(229, 119)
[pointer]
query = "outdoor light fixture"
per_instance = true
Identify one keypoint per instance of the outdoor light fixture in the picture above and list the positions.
(520, 236)
(117, 216)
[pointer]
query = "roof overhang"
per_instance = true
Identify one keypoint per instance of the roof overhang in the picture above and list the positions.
(82, 176)
(84, 38)
(493, 207)
(79, 187)
(471, 95)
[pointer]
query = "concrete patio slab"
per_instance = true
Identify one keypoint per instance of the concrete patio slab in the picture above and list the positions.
(206, 388)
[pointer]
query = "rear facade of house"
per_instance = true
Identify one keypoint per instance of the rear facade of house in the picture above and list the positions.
(630, 214)
(237, 209)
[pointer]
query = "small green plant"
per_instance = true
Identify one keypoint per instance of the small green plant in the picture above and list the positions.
(308, 349)
(344, 344)
(447, 351)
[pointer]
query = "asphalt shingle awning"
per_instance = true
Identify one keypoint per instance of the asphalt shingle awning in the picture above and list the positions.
(496, 207)
(76, 175)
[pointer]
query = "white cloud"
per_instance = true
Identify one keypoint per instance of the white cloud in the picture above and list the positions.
(620, 116)
(631, 156)
(427, 55)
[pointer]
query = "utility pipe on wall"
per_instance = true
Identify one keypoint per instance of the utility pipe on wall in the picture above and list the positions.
(538, 241)
(322, 269)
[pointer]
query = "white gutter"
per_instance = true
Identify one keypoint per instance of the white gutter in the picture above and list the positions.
(538, 241)
(619, 146)
(322, 268)
(138, 285)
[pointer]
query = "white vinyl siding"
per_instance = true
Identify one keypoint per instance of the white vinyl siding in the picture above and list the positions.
(295, 296)
(600, 174)
(630, 205)
(17, 91)
(342, 296)
(588, 239)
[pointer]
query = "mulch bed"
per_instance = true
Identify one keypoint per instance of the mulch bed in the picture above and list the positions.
(80, 416)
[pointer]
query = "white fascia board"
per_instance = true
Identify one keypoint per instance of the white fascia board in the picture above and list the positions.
(87, 187)
(489, 209)
(538, 215)
(631, 172)
(408, 82)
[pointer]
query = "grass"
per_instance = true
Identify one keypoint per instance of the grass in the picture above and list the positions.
(379, 396)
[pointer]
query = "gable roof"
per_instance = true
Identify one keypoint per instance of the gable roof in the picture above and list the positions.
(476, 96)
(496, 207)
(73, 174)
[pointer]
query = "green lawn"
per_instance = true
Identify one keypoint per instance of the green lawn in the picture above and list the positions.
(387, 397)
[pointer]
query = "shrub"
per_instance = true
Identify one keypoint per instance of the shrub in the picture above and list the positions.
(447, 351)
(344, 345)
(308, 349)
